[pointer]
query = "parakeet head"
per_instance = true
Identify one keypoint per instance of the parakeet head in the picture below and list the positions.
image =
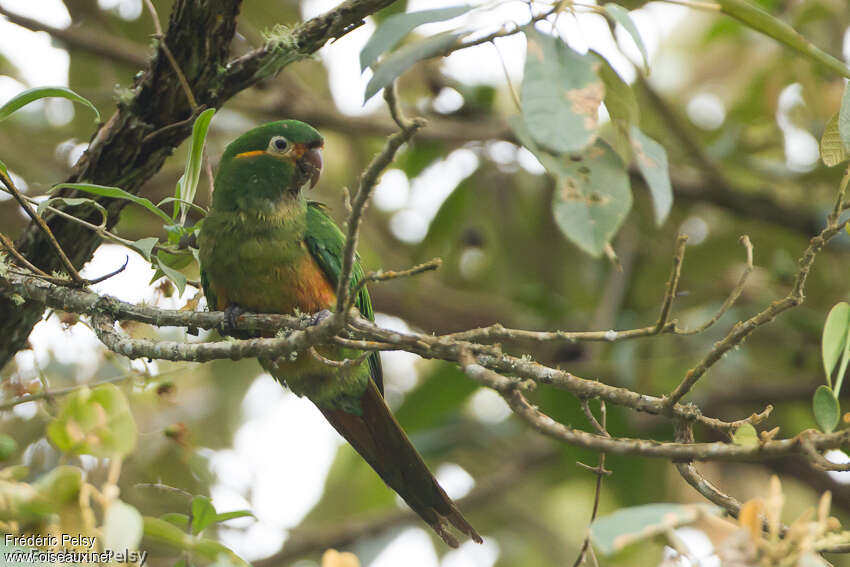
(271, 162)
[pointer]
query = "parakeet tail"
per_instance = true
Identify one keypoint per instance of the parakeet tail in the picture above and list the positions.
(379, 439)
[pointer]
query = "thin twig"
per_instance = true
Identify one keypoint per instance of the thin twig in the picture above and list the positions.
(672, 283)
(366, 184)
(386, 275)
(733, 295)
(66, 262)
(10, 248)
(602, 429)
(741, 330)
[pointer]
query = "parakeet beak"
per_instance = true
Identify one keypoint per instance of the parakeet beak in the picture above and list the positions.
(312, 162)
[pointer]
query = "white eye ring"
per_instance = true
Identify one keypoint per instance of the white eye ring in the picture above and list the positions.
(279, 145)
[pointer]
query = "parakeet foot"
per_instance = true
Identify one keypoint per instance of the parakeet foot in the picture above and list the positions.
(320, 316)
(231, 313)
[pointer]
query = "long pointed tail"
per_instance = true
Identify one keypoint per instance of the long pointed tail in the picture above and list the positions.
(379, 439)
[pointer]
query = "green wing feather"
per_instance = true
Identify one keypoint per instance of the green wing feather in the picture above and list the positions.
(326, 243)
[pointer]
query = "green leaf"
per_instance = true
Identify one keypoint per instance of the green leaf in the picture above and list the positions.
(615, 531)
(74, 202)
(844, 118)
(115, 193)
(165, 532)
(746, 435)
(3, 168)
(561, 93)
(60, 485)
(187, 186)
(619, 99)
(756, 18)
(826, 408)
(122, 527)
(834, 338)
(832, 148)
(395, 27)
(167, 200)
(35, 94)
(592, 197)
(401, 60)
(203, 514)
(145, 246)
(179, 520)
(622, 17)
(8, 446)
(176, 277)
(651, 159)
(233, 515)
(95, 422)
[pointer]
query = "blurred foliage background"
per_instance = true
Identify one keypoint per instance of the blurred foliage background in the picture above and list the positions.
(739, 116)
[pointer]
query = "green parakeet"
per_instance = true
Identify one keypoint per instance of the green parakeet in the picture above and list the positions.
(265, 248)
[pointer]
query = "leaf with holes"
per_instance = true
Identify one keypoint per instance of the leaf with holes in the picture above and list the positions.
(401, 60)
(32, 95)
(832, 148)
(592, 197)
(561, 93)
(394, 28)
(622, 17)
(651, 159)
(826, 408)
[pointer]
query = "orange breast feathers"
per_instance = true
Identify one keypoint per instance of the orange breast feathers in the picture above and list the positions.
(301, 285)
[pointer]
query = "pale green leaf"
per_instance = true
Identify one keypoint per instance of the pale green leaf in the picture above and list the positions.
(832, 148)
(615, 531)
(826, 409)
(94, 422)
(115, 193)
(122, 527)
(844, 118)
(746, 435)
(397, 62)
(176, 277)
(37, 93)
(622, 17)
(651, 159)
(592, 197)
(834, 337)
(755, 17)
(561, 93)
(188, 184)
(619, 98)
(145, 246)
(394, 28)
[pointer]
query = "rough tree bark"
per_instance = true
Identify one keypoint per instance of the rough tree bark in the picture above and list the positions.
(134, 143)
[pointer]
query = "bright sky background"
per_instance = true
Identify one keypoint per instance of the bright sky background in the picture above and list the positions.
(283, 494)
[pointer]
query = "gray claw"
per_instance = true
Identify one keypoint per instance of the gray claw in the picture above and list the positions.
(320, 316)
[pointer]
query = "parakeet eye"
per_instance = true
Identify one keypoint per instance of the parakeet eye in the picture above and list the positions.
(278, 144)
